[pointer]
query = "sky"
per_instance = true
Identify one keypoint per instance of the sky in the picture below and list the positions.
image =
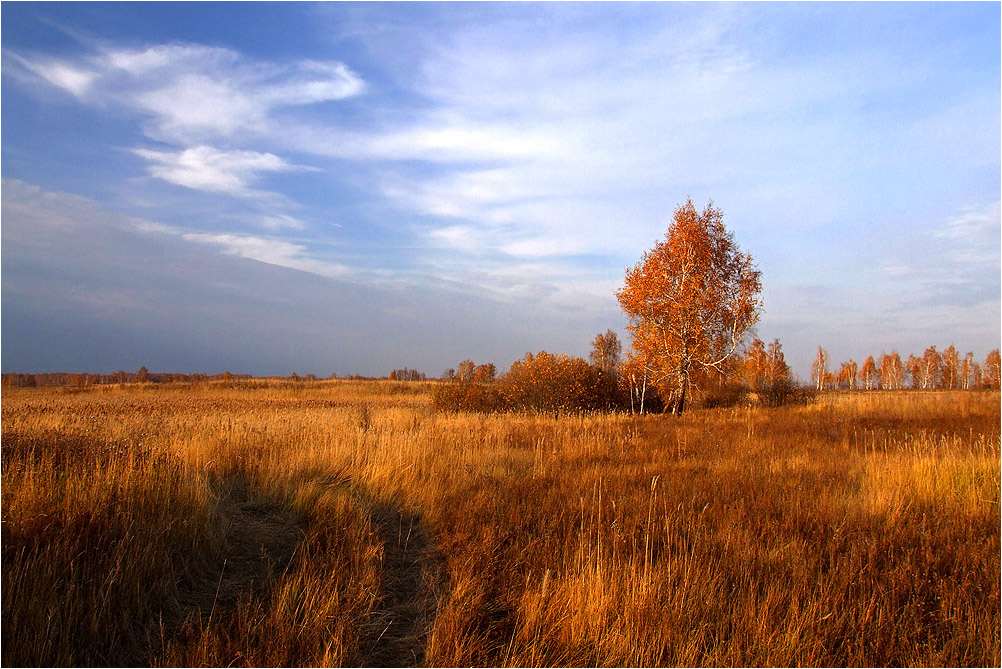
(269, 188)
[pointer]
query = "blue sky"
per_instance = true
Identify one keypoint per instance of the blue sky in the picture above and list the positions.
(268, 188)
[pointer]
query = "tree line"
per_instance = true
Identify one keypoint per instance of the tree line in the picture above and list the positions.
(933, 370)
(560, 383)
(142, 375)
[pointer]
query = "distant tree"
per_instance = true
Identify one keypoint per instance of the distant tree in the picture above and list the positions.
(966, 369)
(993, 370)
(777, 371)
(466, 369)
(484, 373)
(406, 374)
(950, 373)
(143, 375)
(977, 378)
(932, 363)
(831, 381)
(691, 301)
(605, 351)
(847, 374)
(913, 366)
(892, 371)
(868, 373)
(754, 366)
(819, 370)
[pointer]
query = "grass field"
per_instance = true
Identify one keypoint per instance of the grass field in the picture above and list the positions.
(346, 523)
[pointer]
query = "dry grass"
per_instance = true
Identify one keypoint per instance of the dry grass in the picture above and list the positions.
(346, 523)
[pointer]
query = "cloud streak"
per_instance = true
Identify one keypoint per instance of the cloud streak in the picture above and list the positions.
(270, 251)
(208, 169)
(190, 93)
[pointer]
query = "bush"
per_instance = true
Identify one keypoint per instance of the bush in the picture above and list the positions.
(725, 395)
(468, 396)
(559, 383)
(543, 382)
(774, 395)
(783, 393)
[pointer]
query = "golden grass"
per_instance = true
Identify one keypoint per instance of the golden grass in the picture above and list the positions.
(254, 523)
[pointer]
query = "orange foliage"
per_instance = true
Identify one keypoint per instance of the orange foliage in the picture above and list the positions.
(558, 383)
(691, 300)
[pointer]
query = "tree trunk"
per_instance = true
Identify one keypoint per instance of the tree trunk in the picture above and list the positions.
(680, 403)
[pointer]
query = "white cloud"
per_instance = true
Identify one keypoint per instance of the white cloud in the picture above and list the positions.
(283, 221)
(457, 237)
(584, 143)
(976, 225)
(208, 169)
(74, 79)
(972, 241)
(191, 93)
(198, 106)
(271, 251)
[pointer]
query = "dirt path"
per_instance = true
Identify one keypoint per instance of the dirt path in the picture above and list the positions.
(260, 539)
(413, 573)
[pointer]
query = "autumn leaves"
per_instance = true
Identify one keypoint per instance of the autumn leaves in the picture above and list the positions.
(691, 301)
(933, 370)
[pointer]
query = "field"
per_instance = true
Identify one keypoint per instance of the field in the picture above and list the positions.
(346, 523)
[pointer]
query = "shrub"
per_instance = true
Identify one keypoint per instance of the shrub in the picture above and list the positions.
(783, 393)
(725, 395)
(559, 383)
(468, 396)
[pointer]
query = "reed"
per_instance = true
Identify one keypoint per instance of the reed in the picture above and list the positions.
(336, 522)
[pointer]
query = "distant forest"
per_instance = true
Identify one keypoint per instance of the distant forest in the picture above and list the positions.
(759, 366)
(142, 375)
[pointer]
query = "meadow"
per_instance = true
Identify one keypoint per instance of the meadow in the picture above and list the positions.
(254, 523)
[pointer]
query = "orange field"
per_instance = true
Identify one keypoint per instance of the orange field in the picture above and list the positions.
(338, 522)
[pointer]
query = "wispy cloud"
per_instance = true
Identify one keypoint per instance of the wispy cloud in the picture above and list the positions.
(150, 294)
(975, 225)
(46, 213)
(271, 251)
(213, 106)
(208, 169)
(71, 78)
(190, 93)
(955, 262)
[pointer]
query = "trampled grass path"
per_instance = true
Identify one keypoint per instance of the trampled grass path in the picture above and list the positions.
(412, 571)
(261, 542)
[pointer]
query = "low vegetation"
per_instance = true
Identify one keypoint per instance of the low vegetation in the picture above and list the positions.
(339, 522)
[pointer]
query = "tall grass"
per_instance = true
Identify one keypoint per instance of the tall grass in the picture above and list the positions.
(347, 523)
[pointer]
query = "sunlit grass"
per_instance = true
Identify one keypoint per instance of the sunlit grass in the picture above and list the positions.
(862, 529)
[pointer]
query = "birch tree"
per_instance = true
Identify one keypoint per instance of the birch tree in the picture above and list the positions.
(819, 370)
(691, 301)
(992, 371)
(951, 368)
(868, 373)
